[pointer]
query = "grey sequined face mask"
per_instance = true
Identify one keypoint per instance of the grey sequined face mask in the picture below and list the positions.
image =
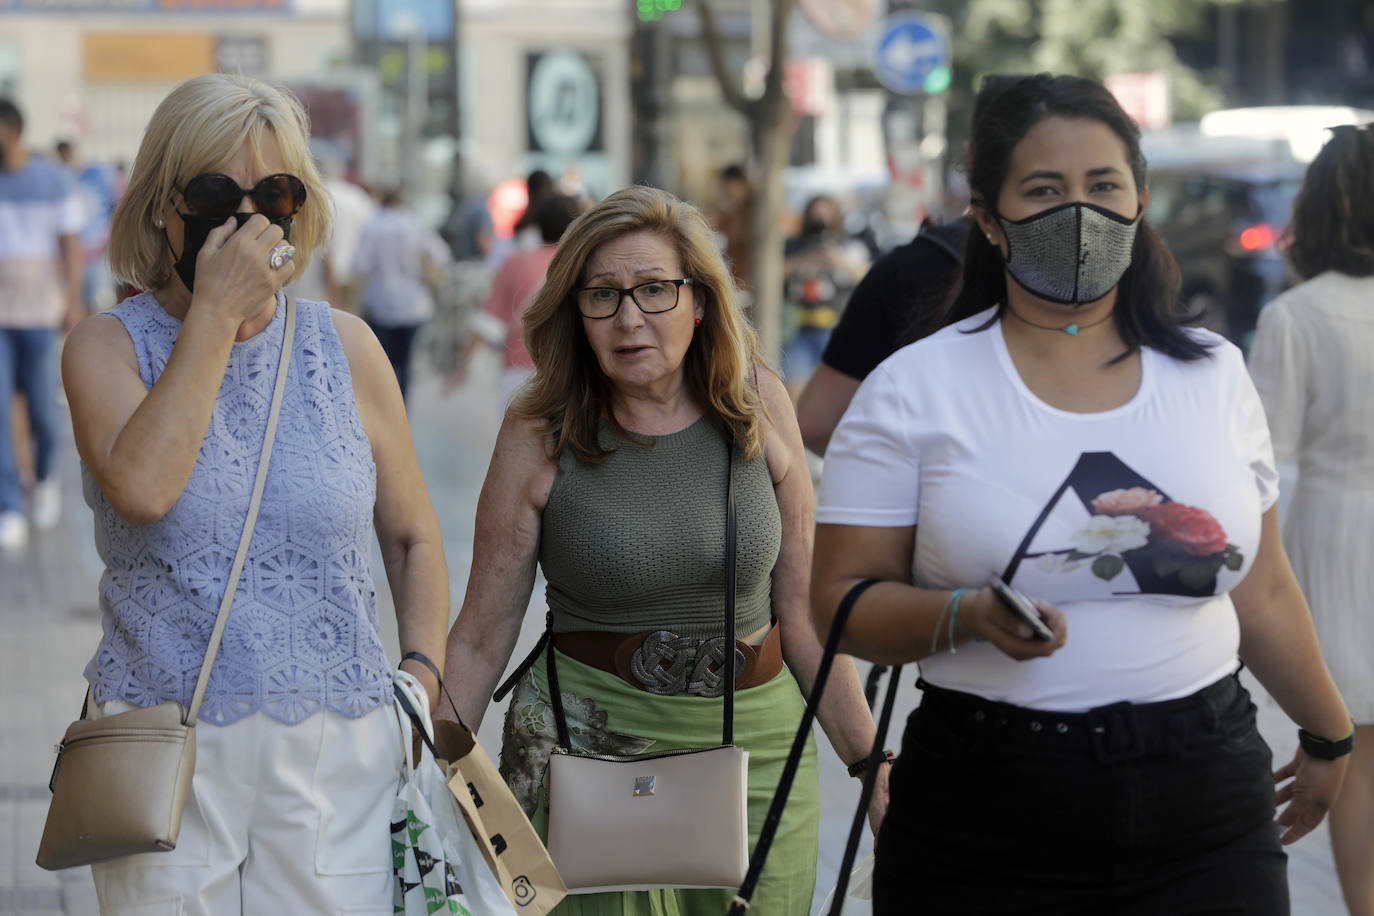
(1073, 253)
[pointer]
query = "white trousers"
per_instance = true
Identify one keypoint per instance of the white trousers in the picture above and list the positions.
(281, 819)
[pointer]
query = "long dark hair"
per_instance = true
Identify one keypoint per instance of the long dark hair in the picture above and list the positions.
(1333, 215)
(1148, 310)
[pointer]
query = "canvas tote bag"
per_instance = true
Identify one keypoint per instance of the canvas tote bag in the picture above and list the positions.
(120, 782)
(671, 819)
(498, 826)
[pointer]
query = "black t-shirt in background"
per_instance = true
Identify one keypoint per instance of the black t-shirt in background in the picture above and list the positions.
(899, 290)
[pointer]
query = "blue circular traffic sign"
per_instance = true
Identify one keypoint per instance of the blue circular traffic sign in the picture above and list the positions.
(912, 45)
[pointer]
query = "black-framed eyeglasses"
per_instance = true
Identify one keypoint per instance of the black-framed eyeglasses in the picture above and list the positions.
(214, 194)
(652, 297)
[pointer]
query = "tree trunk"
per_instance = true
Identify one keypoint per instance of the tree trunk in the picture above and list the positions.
(770, 127)
(773, 137)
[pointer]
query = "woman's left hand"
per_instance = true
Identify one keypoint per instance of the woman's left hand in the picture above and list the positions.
(1313, 787)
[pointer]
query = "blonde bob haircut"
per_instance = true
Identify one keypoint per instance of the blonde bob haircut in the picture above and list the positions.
(199, 126)
(571, 393)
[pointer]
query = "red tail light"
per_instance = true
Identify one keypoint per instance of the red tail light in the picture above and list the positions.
(1258, 237)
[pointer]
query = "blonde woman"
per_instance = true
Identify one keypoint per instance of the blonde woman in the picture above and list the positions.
(297, 758)
(610, 474)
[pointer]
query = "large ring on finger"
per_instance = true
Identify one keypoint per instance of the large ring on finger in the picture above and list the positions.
(281, 253)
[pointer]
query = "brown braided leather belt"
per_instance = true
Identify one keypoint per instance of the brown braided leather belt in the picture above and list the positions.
(665, 663)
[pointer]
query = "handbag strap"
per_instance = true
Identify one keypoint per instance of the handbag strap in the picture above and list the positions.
(740, 903)
(856, 827)
(727, 730)
(254, 503)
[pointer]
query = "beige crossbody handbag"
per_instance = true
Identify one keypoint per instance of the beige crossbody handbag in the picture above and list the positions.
(671, 819)
(120, 782)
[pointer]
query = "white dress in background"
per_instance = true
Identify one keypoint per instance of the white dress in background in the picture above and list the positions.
(1313, 363)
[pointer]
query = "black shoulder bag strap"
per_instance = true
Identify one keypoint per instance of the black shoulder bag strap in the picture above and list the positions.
(740, 904)
(727, 730)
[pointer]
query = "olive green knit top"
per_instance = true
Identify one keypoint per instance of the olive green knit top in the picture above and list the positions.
(637, 543)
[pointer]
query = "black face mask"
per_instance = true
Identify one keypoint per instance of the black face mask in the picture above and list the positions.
(195, 229)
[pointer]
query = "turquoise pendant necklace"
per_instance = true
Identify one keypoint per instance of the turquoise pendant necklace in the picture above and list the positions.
(1069, 329)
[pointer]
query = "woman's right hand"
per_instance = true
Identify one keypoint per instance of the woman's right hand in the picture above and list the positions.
(233, 273)
(983, 614)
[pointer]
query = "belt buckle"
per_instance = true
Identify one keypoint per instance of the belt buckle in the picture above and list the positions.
(708, 675)
(1106, 722)
(666, 664)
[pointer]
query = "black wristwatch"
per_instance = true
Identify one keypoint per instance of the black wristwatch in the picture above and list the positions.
(1324, 748)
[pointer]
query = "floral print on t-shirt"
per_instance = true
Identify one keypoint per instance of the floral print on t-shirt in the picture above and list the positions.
(1169, 547)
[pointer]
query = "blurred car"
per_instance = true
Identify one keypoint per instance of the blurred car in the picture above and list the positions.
(1224, 222)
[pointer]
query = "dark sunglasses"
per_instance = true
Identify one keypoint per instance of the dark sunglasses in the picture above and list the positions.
(276, 196)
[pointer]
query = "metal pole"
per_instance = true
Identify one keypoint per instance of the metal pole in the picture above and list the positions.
(417, 91)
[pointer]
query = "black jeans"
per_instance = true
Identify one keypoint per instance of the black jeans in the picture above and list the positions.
(397, 342)
(1158, 809)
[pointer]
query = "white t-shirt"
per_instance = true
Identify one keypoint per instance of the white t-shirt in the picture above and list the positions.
(1135, 522)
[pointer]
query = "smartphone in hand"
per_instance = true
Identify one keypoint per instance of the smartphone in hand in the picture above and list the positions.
(1020, 605)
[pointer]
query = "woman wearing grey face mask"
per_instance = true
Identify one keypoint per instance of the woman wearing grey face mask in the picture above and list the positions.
(1066, 433)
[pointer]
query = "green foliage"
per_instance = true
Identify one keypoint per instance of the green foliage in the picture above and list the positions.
(1092, 38)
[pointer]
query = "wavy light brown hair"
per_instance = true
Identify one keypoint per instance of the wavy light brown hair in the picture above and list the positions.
(198, 127)
(571, 393)
(1333, 214)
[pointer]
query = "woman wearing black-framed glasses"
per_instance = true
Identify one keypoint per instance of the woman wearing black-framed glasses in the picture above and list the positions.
(298, 755)
(610, 473)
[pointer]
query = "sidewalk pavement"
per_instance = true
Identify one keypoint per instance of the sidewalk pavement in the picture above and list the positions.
(49, 626)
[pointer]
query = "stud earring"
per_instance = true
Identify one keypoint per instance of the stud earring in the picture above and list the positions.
(696, 322)
(158, 222)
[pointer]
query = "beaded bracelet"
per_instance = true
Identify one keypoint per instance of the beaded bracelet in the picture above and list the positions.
(860, 766)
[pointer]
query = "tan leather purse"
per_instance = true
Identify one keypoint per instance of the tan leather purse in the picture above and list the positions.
(672, 819)
(120, 782)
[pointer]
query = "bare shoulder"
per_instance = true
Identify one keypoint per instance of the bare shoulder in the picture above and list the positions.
(774, 394)
(359, 343)
(522, 459)
(782, 444)
(97, 345)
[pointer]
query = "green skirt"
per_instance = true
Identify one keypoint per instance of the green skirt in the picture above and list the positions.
(608, 716)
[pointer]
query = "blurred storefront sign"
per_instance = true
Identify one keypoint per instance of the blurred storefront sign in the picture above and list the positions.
(146, 6)
(342, 107)
(565, 117)
(146, 58)
(841, 20)
(810, 85)
(411, 44)
(245, 54)
(1144, 96)
(563, 103)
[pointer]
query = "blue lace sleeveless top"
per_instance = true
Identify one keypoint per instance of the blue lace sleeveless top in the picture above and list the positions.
(302, 633)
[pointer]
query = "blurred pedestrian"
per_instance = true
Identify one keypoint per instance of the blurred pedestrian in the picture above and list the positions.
(732, 215)
(297, 754)
(893, 305)
(399, 263)
(610, 475)
(524, 234)
(468, 228)
(1065, 432)
(328, 277)
(821, 267)
(41, 219)
(1313, 363)
(514, 287)
(99, 185)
